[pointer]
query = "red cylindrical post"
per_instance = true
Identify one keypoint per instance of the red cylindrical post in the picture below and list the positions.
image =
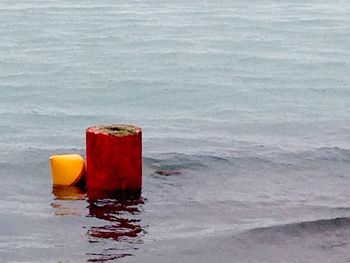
(114, 158)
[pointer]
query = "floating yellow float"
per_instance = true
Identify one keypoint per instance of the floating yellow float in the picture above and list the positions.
(67, 169)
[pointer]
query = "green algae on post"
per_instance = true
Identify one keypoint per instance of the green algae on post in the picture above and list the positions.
(119, 130)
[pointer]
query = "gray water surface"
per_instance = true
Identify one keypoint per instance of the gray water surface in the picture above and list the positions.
(249, 100)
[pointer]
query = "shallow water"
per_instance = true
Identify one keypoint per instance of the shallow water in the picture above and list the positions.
(249, 101)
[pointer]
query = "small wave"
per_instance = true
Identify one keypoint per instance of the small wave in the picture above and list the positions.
(304, 228)
(322, 155)
(253, 159)
(173, 161)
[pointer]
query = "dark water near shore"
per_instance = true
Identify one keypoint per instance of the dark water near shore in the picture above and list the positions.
(247, 101)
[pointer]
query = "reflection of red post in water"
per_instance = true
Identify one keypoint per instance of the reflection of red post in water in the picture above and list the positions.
(114, 158)
(120, 222)
(122, 226)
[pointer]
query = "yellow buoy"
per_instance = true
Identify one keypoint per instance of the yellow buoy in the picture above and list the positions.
(67, 169)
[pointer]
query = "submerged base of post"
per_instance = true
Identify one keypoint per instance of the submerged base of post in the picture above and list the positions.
(121, 195)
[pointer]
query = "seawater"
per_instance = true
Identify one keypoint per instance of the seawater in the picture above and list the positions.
(249, 100)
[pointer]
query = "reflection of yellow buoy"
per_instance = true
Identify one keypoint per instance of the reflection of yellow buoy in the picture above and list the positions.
(67, 169)
(68, 192)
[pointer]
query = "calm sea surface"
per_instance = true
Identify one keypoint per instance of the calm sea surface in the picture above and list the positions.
(249, 100)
